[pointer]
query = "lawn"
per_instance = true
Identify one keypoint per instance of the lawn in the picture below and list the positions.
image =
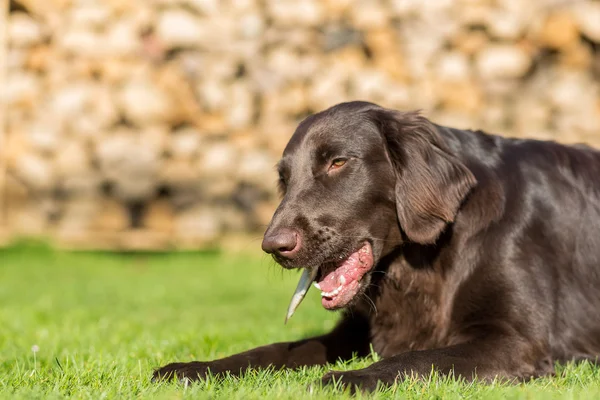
(94, 325)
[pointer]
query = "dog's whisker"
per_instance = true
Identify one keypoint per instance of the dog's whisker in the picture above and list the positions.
(370, 302)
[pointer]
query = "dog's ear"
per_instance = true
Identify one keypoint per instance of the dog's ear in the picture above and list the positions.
(431, 183)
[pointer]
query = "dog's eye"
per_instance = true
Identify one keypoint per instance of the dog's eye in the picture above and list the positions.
(337, 163)
(281, 185)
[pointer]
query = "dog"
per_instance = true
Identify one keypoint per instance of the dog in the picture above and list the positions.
(447, 250)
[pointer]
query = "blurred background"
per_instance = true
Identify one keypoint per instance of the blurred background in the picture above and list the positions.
(155, 124)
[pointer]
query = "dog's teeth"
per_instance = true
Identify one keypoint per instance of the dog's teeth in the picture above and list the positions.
(332, 293)
(315, 284)
(343, 280)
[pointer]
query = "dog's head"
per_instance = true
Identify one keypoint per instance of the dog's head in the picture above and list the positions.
(356, 180)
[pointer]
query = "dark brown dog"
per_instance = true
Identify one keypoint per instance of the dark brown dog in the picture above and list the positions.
(466, 252)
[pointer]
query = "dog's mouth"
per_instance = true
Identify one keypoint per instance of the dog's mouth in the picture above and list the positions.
(338, 282)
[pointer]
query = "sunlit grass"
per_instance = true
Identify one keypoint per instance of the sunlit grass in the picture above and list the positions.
(95, 325)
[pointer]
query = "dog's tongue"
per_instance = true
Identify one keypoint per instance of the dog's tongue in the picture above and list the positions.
(350, 270)
(340, 286)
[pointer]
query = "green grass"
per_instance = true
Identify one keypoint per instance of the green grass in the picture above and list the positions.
(102, 322)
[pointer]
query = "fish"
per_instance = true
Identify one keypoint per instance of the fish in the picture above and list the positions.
(307, 277)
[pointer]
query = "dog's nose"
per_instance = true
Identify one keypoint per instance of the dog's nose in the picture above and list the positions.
(283, 242)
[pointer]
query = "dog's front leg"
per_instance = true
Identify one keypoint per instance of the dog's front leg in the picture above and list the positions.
(506, 358)
(349, 338)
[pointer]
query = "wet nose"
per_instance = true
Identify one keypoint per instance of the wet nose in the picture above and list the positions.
(283, 242)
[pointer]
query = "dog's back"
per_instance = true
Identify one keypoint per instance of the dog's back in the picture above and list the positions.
(548, 235)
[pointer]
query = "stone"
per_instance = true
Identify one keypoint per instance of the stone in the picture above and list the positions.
(178, 174)
(369, 15)
(72, 159)
(212, 92)
(199, 224)
(220, 189)
(326, 90)
(112, 216)
(250, 26)
(117, 70)
(258, 167)
(218, 161)
(337, 10)
(571, 90)
(531, 114)
(455, 119)
(129, 164)
(45, 136)
(422, 42)
(22, 89)
(157, 137)
(461, 96)
(72, 99)
(236, 220)
(502, 61)
(494, 117)
(581, 121)
(399, 96)
(394, 66)
(283, 63)
(469, 42)
(77, 216)
(263, 212)
(185, 106)
(86, 182)
(206, 7)
(86, 126)
(579, 56)
(159, 217)
(28, 219)
(453, 66)
(559, 30)
(291, 100)
(102, 106)
(370, 84)
(123, 39)
(213, 124)
(240, 111)
(35, 171)
(179, 28)
(15, 192)
(81, 41)
(587, 14)
(16, 58)
(184, 143)
(39, 58)
(299, 13)
(380, 41)
(93, 15)
(143, 102)
(24, 31)
(506, 25)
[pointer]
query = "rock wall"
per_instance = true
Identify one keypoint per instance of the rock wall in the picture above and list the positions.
(152, 123)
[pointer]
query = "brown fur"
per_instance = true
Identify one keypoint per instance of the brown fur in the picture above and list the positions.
(486, 249)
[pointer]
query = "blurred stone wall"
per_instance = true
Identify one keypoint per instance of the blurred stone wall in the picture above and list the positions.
(153, 123)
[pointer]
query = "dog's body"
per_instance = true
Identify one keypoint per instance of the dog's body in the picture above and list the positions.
(482, 253)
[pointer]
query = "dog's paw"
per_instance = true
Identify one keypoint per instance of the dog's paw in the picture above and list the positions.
(185, 372)
(354, 381)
